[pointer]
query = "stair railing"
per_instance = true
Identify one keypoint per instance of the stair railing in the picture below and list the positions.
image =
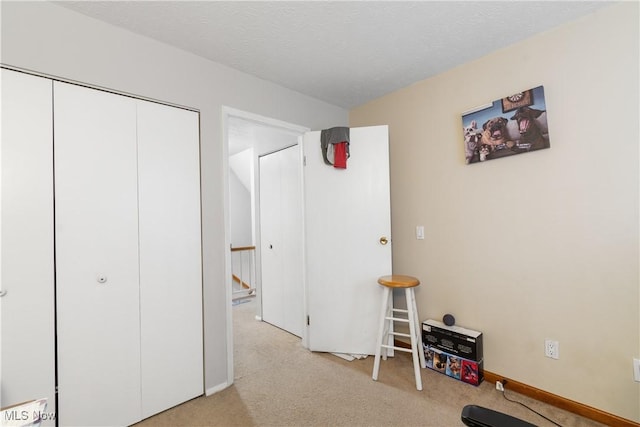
(243, 271)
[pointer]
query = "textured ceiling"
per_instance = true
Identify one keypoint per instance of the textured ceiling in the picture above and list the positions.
(346, 52)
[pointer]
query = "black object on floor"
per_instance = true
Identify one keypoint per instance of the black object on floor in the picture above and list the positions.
(477, 416)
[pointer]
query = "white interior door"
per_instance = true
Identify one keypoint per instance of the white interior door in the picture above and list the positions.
(170, 256)
(281, 240)
(347, 211)
(27, 308)
(97, 272)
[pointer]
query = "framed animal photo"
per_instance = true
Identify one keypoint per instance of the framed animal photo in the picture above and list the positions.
(515, 124)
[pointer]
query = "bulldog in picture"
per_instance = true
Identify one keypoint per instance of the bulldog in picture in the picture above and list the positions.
(495, 135)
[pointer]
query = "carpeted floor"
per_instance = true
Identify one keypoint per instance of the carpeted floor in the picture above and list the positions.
(279, 383)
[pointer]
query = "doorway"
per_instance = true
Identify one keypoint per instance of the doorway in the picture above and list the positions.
(246, 138)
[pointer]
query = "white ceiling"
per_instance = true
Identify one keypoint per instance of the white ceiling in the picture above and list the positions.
(344, 52)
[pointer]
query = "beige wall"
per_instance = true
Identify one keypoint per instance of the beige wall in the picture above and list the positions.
(540, 245)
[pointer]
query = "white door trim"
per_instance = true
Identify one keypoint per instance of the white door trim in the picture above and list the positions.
(227, 114)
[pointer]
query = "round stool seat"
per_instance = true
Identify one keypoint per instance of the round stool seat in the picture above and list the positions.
(398, 281)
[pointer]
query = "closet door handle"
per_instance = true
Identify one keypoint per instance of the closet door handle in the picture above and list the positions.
(2, 293)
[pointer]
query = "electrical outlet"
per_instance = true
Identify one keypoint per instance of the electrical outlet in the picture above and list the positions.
(499, 386)
(552, 349)
(636, 370)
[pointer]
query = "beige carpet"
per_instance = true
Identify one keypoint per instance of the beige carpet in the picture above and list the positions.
(279, 383)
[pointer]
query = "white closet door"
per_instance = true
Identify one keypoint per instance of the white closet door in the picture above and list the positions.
(96, 257)
(281, 240)
(170, 256)
(27, 309)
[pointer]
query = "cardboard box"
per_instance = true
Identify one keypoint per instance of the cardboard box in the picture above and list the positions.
(468, 371)
(455, 340)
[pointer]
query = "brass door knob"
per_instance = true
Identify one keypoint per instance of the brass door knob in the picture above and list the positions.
(383, 240)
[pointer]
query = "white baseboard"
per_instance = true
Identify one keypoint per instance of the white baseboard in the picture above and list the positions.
(215, 389)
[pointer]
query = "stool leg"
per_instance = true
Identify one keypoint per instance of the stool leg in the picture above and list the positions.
(383, 314)
(423, 361)
(388, 329)
(411, 306)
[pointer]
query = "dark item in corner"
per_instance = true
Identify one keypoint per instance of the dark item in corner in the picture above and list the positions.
(334, 143)
(454, 340)
(449, 320)
(477, 416)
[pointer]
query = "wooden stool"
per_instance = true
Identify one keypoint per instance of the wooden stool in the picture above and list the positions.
(386, 333)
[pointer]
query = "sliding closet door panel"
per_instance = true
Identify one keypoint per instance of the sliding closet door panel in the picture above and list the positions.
(96, 257)
(170, 256)
(27, 308)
